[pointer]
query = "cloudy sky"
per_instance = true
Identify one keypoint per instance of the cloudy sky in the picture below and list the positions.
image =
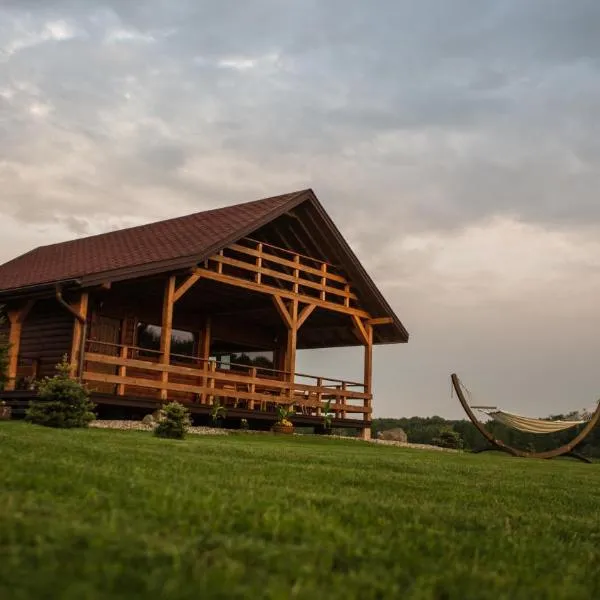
(456, 144)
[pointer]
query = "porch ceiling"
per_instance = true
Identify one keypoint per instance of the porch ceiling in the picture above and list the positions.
(225, 304)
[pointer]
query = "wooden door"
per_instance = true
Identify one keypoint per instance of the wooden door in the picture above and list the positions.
(104, 338)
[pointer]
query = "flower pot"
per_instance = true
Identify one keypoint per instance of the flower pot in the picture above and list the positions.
(280, 428)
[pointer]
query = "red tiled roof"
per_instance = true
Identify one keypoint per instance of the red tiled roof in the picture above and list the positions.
(191, 236)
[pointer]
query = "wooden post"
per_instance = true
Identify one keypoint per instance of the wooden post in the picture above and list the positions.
(343, 399)
(81, 307)
(123, 370)
(211, 382)
(204, 354)
(259, 264)
(167, 331)
(323, 294)
(16, 319)
(368, 380)
(14, 341)
(291, 346)
(320, 396)
(252, 387)
(296, 275)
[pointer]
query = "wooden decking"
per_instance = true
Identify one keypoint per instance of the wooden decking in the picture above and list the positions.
(130, 372)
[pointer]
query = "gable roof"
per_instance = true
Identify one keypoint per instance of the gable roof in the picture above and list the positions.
(136, 247)
(170, 245)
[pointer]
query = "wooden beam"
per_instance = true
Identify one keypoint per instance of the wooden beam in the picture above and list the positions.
(292, 345)
(167, 331)
(259, 264)
(286, 262)
(361, 330)
(122, 370)
(16, 318)
(380, 321)
(323, 294)
(368, 379)
(297, 275)
(267, 289)
(283, 311)
(81, 308)
(316, 247)
(295, 279)
(204, 353)
(186, 285)
(220, 376)
(206, 339)
(304, 314)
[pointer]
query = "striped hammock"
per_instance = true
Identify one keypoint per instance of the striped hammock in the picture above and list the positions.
(527, 424)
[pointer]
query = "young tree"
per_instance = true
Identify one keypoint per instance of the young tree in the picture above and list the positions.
(175, 423)
(63, 401)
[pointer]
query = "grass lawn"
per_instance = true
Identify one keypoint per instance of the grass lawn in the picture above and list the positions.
(112, 514)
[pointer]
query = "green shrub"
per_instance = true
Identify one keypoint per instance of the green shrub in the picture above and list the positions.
(244, 425)
(63, 401)
(175, 423)
(218, 413)
(448, 438)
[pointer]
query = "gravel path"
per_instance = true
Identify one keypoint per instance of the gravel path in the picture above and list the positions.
(139, 426)
(409, 445)
(392, 443)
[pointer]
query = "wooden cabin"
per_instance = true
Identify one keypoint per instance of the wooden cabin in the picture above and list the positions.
(205, 308)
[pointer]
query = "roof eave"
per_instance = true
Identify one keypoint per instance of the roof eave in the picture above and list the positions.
(40, 289)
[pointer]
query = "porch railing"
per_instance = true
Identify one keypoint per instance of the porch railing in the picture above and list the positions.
(132, 371)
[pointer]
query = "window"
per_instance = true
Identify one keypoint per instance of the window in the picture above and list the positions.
(263, 361)
(149, 338)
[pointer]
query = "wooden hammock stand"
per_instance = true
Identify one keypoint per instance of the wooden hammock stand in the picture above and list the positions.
(565, 450)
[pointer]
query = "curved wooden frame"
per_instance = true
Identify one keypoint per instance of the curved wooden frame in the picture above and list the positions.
(566, 449)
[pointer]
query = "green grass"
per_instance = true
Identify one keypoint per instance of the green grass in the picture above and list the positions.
(108, 514)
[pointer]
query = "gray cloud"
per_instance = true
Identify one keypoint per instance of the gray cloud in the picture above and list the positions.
(415, 120)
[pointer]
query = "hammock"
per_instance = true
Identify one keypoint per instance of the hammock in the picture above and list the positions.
(528, 424)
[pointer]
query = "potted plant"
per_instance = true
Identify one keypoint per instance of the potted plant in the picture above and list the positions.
(218, 413)
(327, 416)
(283, 423)
(5, 411)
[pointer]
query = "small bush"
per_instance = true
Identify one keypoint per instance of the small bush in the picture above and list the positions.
(244, 426)
(175, 423)
(448, 438)
(218, 413)
(63, 401)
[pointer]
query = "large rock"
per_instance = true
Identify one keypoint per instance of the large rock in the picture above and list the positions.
(148, 420)
(394, 435)
(159, 415)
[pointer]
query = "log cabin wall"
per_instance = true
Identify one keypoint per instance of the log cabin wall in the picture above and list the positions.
(46, 336)
(4, 330)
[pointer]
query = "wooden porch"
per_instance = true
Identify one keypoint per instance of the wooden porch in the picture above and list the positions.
(126, 372)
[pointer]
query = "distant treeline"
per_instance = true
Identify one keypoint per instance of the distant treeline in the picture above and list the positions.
(425, 430)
